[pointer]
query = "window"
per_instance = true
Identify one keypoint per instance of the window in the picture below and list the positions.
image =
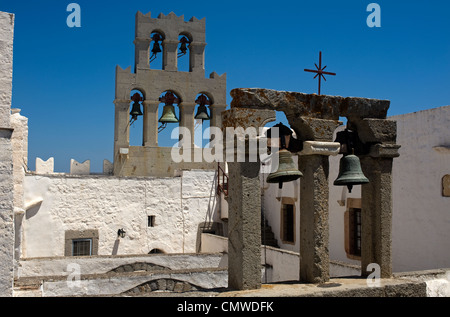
(151, 221)
(288, 223)
(355, 246)
(81, 247)
(81, 243)
(352, 219)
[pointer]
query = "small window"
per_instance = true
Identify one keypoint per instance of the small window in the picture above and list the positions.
(81, 242)
(151, 221)
(352, 228)
(288, 223)
(82, 247)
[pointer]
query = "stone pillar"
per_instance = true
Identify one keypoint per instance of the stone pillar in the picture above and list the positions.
(121, 131)
(187, 120)
(244, 204)
(376, 209)
(314, 192)
(142, 53)
(216, 114)
(376, 196)
(150, 123)
(197, 57)
(170, 60)
(6, 157)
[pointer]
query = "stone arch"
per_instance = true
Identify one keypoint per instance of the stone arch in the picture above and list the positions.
(156, 49)
(164, 284)
(165, 135)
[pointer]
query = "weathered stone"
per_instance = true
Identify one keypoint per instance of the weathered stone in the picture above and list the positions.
(178, 288)
(162, 284)
(384, 150)
(296, 104)
(314, 129)
(376, 130)
(376, 215)
(314, 229)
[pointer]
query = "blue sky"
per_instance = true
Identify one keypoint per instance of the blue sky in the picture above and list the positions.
(64, 77)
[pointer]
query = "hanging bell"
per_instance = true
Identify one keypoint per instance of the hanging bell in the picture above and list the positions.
(183, 47)
(286, 172)
(156, 48)
(169, 115)
(135, 111)
(350, 172)
(202, 113)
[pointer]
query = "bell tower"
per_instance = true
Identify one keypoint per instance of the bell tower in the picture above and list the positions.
(167, 37)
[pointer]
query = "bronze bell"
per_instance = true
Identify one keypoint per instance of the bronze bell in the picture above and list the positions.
(202, 113)
(169, 115)
(286, 172)
(350, 172)
(135, 111)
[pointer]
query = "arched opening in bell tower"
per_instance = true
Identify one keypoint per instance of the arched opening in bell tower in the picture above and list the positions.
(202, 117)
(156, 50)
(169, 119)
(136, 117)
(183, 52)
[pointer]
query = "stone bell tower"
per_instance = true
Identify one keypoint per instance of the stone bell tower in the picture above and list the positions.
(164, 35)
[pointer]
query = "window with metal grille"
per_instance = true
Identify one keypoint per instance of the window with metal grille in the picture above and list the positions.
(288, 223)
(82, 247)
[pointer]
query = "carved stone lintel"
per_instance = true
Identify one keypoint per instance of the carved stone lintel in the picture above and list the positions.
(320, 148)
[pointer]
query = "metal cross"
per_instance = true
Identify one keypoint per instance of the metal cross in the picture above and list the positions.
(320, 71)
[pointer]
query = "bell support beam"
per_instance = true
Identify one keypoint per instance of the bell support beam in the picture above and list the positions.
(244, 203)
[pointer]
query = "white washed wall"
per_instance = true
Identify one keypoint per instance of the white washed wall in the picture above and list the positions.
(108, 203)
(421, 215)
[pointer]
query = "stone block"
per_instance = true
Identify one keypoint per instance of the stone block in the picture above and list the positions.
(298, 104)
(45, 167)
(384, 150)
(376, 130)
(77, 168)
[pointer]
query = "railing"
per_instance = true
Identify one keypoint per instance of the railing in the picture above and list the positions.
(222, 181)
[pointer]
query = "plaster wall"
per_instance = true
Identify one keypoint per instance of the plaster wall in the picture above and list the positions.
(6, 159)
(273, 200)
(421, 214)
(107, 203)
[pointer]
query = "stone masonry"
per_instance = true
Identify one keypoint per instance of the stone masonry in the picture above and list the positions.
(151, 159)
(314, 118)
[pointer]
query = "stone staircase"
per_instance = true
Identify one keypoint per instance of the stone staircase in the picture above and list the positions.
(267, 235)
